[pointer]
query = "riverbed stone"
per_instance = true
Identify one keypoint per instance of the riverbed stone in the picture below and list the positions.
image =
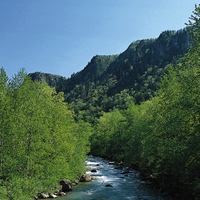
(66, 185)
(53, 196)
(86, 178)
(93, 170)
(44, 195)
(62, 194)
(108, 185)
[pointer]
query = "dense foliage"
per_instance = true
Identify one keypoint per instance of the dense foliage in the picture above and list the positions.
(161, 136)
(40, 142)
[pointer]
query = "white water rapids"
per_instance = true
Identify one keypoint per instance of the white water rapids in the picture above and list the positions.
(120, 186)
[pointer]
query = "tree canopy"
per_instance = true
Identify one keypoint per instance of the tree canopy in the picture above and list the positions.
(40, 141)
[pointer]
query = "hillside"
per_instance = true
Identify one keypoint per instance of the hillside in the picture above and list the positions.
(115, 80)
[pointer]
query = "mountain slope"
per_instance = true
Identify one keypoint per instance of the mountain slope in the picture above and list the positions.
(114, 81)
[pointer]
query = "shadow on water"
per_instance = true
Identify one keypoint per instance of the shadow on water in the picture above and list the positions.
(112, 182)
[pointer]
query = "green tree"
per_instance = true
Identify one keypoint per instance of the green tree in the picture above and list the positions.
(41, 143)
(194, 24)
(106, 140)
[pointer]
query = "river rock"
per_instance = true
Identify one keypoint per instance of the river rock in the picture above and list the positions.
(62, 194)
(52, 196)
(66, 185)
(86, 178)
(44, 196)
(93, 170)
(108, 185)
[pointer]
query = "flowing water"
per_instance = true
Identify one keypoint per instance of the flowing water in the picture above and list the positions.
(120, 185)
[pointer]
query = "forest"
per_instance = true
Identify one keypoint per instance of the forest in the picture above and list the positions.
(140, 108)
(41, 143)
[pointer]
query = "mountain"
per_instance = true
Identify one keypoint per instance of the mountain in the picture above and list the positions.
(115, 80)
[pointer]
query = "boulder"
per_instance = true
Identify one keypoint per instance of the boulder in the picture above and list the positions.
(86, 178)
(93, 170)
(44, 195)
(108, 185)
(52, 196)
(62, 194)
(66, 185)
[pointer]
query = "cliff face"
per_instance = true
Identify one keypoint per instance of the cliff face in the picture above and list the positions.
(144, 56)
(52, 80)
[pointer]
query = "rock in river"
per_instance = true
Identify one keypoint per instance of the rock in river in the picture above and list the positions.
(86, 178)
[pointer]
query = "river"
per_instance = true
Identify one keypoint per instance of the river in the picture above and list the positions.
(120, 185)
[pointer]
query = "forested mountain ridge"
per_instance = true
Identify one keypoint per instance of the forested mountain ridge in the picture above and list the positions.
(113, 81)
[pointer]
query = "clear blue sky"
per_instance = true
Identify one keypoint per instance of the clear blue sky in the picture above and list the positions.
(61, 36)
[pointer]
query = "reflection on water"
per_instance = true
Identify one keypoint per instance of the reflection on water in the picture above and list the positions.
(121, 186)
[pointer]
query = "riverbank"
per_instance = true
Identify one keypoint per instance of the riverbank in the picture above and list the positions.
(64, 187)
